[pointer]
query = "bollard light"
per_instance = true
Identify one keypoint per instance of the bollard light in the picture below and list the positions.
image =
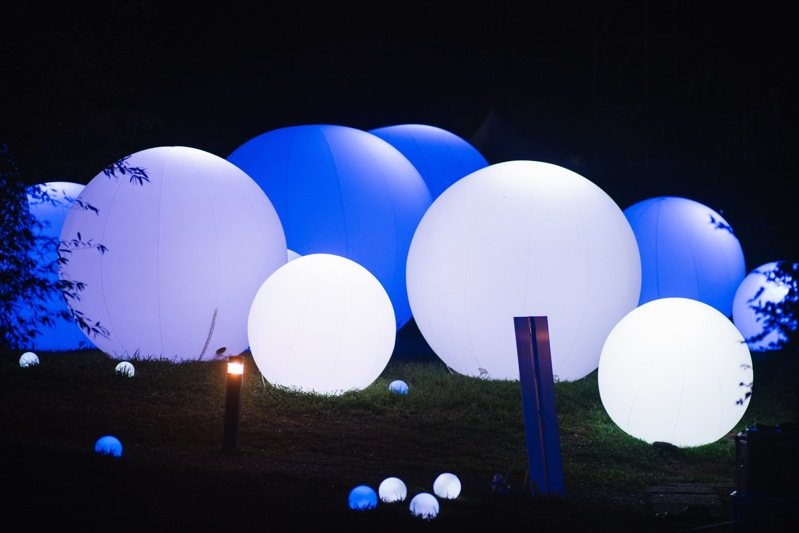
(235, 378)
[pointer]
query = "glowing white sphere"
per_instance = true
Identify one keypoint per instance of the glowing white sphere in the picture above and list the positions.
(342, 191)
(184, 252)
(687, 250)
(447, 486)
(125, 368)
(675, 370)
(756, 290)
(362, 498)
(108, 445)
(392, 489)
(321, 323)
(398, 387)
(521, 238)
(440, 156)
(28, 359)
(424, 505)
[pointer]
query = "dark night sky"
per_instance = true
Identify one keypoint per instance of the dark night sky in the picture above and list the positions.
(644, 98)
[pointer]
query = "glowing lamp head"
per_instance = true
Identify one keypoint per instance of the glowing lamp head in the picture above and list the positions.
(28, 359)
(447, 486)
(392, 489)
(235, 365)
(362, 498)
(424, 505)
(675, 370)
(109, 446)
(398, 387)
(126, 369)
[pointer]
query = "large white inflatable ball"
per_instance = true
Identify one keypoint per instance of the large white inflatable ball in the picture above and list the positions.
(342, 191)
(521, 238)
(687, 250)
(170, 245)
(675, 370)
(440, 156)
(754, 291)
(321, 324)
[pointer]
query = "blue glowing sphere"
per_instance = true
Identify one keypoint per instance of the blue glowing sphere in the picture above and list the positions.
(49, 204)
(342, 191)
(109, 446)
(441, 157)
(362, 498)
(687, 250)
(398, 387)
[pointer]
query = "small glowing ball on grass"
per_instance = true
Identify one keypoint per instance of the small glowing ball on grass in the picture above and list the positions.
(757, 290)
(342, 191)
(125, 368)
(48, 204)
(392, 489)
(447, 486)
(424, 505)
(675, 370)
(171, 252)
(362, 498)
(398, 387)
(521, 238)
(28, 359)
(323, 324)
(441, 157)
(108, 446)
(687, 250)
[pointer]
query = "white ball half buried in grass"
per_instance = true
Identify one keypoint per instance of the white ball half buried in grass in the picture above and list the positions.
(675, 370)
(424, 505)
(447, 486)
(392, 489)
(323, 324)
(398, 387)
(28, 359)
(125, 368)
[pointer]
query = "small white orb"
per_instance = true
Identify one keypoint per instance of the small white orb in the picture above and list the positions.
(108, 445)
(28, 359)
(125, 368)
(392, 489)
(323, 324)
(398, 387)
(362, 498)
(424, 505)
(756, 290)
(447, 486)
(675, 370)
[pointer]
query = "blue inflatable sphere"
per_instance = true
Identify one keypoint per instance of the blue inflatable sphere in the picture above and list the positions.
(441, 157)
(342, 191)
(108, 445)
(398, 387)
(49, 204)
(687, 250)
(362, 498)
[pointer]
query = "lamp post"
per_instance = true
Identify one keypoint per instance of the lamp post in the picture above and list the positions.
(235, 377)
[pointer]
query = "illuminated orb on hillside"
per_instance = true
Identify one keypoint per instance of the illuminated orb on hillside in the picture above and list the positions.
(424, 505)
(756, 290)
(49, 203)
(687, 250)
(28, 359)
(126, 369)
(447, 486)
(398, 387)
(172, 244)
(362, 498)
(321, 324)
(108, 445)
(521, 238)
(342, 191)
(675, 370)
(441, 157)
(391, 490)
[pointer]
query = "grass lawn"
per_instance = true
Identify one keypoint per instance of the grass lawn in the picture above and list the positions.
(299, 455)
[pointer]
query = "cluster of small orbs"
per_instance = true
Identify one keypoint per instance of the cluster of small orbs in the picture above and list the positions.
(392, 489)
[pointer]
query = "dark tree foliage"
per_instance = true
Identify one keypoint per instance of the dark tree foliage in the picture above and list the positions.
(783, 316)
(25, 278)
